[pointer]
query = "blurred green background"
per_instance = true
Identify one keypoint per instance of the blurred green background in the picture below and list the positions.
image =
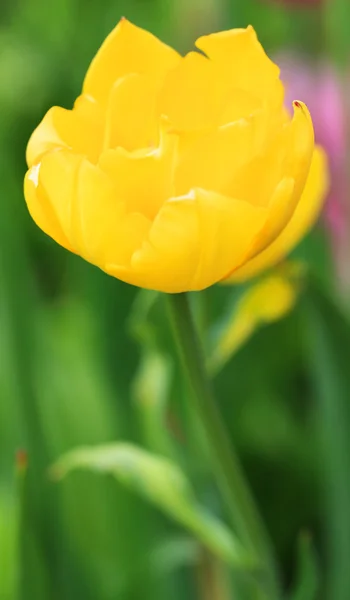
(86, 359)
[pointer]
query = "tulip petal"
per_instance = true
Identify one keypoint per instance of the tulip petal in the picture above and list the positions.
(56, 178)
(193, 242)
(41, 209)
(167, 260)
(289, 158)
(209, 160)
(295, 167)
(80, 129)
(101, 228)
(131, 113)
(302, 220)
(127, 49)
(144, 179)
(191, 97)
(195, 95)
(301, 150)
(76, 204)
(239, 104)
(287, 155)
(239, 57)
(228, 228)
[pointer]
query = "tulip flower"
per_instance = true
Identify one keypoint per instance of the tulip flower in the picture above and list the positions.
(174, 173)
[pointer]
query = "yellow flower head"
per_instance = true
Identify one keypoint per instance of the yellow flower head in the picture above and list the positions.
(174, 173)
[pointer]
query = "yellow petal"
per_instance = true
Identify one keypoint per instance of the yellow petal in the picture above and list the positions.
(239, 104)
(85, 209)
(292, 161)
(41, 209)
(227, 229)
(210, 159)
(240, 59)
(299, 157)
(127, 49)
(131, 113)
(302, 220)
(193, 242)
(80, 129)
(143, 179)
(195, 96)
(286, 154)
(56, 182)
(191, 96)
(281, 208)
(101, 228)
(167, 260)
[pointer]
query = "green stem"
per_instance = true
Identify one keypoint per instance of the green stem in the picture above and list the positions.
(244, 515)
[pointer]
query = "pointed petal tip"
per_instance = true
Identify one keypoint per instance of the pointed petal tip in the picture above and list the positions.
(299, 105)
(251, 30)
(300, 108)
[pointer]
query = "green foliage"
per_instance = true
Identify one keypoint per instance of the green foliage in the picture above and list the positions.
(307, 586)
(329, 355)
(162, 483)
(86, 361)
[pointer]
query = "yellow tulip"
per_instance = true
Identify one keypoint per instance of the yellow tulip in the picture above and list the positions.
(174, 173)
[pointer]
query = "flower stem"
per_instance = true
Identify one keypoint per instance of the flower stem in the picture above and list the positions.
(245, 518)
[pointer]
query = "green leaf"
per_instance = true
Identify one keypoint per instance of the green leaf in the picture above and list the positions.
(307, 584)
(163, 484)
(9, 539)
(328, 355)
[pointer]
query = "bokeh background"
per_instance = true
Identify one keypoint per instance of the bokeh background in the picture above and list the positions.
(86, 360)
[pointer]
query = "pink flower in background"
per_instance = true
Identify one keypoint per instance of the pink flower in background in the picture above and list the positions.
(318, 84)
